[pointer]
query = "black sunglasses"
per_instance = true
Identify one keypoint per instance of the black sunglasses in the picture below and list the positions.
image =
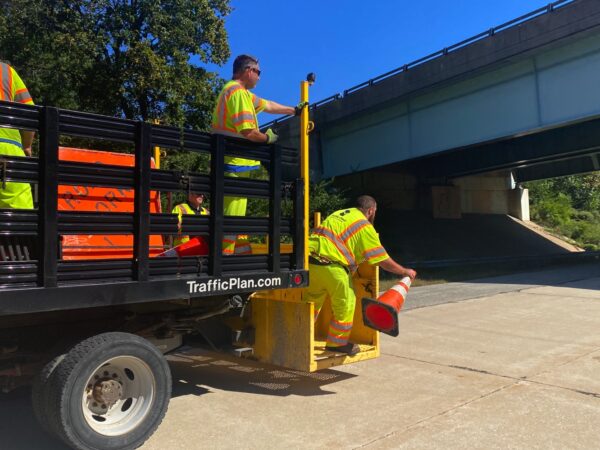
(255, 70)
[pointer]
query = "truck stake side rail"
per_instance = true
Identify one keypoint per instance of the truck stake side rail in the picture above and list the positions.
(33, 275)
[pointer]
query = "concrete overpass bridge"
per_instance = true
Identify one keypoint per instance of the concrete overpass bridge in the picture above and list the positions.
(459, 129)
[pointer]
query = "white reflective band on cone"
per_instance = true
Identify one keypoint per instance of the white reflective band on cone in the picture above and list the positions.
(402, 287)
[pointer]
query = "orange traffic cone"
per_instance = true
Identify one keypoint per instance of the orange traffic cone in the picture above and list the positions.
(196, 246)
(382, 314)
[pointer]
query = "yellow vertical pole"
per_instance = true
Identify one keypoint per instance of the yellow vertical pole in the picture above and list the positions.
(157, 157)
(317, 219)
(156, 152)
(304, 167)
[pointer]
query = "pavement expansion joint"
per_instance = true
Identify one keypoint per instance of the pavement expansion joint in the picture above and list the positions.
(451, 366)
(514, 381)
(523, 379)
(434, 416)
(526, 379)
(576, 391)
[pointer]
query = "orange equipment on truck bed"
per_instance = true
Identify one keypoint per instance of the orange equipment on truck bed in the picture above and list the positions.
(102, 199)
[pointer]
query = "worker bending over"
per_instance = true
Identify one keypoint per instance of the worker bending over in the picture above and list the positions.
(336, 248)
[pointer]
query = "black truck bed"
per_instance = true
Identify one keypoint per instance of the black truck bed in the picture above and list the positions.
(34, 278)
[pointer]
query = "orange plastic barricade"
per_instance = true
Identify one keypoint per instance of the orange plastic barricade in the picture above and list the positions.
(382, 314)
(105, 200)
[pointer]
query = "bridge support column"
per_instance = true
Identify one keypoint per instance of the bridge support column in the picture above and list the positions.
(493, 194)
(446, 202)
(519, 203)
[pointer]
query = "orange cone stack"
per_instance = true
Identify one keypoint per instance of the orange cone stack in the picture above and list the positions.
(196, 246)
(382, 314)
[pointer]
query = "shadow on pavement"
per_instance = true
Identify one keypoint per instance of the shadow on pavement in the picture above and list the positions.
(19, 429)
(584, 277)
(197, 371)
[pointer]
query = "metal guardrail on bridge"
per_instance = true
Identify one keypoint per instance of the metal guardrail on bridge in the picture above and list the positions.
(439, 54)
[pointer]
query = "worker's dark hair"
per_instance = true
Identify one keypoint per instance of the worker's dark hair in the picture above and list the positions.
(243, 61)
(365, 202)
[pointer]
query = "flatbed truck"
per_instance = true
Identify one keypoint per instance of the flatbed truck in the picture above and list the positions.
(89, 308)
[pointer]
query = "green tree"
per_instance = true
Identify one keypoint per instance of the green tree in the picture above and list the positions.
(139, 59)
(583, 190)
(569, 206)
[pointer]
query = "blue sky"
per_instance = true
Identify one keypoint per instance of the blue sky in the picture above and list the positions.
(348, 42)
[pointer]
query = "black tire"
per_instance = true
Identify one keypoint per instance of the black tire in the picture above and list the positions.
(39, 393)
(76, 421)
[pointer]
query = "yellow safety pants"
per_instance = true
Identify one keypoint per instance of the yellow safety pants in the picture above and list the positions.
(14, 195)
(334, 281)
(236, 206)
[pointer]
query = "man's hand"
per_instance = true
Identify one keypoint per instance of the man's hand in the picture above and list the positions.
(271, 136)
(298, 109)
(410, 273)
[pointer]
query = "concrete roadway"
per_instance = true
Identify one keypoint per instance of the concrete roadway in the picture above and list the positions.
(509, 362)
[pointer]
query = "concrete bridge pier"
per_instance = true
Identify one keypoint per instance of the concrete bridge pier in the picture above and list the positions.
(495, 193)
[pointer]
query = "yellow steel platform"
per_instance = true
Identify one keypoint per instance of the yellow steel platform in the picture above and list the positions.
(286, 335)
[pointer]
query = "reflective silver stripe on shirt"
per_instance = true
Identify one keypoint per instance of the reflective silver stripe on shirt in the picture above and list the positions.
(6, 88)
(375, 252)
(338, 243)
(240, 118)
(353, 228)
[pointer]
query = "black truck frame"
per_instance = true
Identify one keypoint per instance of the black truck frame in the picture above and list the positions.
(47, 283)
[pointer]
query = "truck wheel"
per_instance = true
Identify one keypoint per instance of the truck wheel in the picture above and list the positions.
(39, 392)
(110, 392)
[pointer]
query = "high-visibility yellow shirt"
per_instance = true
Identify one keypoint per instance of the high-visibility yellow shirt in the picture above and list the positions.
(180, 210)
(235, 111)
(348, 238)
(12, 89)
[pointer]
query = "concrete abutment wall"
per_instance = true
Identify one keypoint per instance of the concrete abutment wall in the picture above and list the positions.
(494, 193)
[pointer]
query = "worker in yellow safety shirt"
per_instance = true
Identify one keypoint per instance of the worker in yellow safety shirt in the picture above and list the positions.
(14, 142)
(193, 205)
(336, 248)
(235, 115)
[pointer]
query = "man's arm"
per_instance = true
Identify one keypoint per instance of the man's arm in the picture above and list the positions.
(254, 135)
(389, 265)
(27, 140)
(276, 108)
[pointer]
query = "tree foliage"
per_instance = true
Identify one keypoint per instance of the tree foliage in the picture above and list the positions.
(569, 205)
(139, 59)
